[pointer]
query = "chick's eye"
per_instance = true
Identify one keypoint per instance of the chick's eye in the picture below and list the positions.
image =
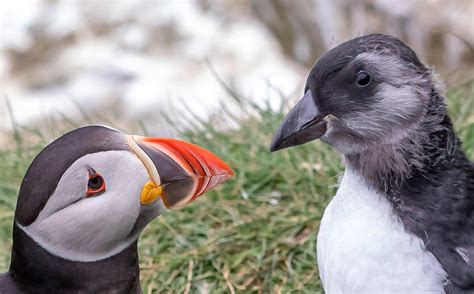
(363, 79)
(96, 185)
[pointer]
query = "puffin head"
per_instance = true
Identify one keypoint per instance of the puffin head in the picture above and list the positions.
(364, 93)
(88, 195)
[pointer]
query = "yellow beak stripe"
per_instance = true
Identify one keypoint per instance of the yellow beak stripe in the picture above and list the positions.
(150, 193)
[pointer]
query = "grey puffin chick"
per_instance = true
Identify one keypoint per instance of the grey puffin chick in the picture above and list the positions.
(402, 219)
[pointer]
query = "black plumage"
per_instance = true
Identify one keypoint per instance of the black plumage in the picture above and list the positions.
(35, 270)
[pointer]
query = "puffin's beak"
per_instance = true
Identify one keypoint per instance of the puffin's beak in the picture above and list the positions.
(304, 123)
(179, 171)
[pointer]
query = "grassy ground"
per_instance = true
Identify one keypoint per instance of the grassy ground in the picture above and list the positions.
(255, 234)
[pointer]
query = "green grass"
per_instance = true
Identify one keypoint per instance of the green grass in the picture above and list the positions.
(256, 233)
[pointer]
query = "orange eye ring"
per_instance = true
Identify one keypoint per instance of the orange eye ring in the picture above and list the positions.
(96, 184)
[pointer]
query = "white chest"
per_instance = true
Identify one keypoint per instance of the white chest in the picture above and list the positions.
(363, 247)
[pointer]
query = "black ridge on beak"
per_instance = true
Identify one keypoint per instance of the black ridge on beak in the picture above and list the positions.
(304, 123)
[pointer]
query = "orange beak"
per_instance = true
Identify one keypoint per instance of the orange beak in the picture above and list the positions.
(179, 171)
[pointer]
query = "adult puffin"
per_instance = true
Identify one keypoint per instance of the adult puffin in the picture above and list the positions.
(84, 201)
(402, 219)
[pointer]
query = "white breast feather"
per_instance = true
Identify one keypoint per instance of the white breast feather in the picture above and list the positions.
(363, 247)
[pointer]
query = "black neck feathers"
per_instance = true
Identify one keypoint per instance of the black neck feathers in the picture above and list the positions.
(33, 269)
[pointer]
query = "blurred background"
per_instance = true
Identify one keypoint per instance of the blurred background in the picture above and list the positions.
(220, 74)
(129, 60)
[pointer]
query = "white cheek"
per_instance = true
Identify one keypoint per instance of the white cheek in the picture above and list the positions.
(400, 102)
(96, 227)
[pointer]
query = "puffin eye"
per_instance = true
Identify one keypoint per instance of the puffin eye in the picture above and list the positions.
(363, 79)
(96, 184)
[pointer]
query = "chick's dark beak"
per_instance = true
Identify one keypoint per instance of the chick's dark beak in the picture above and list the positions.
(179, 171)
(304, 123)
